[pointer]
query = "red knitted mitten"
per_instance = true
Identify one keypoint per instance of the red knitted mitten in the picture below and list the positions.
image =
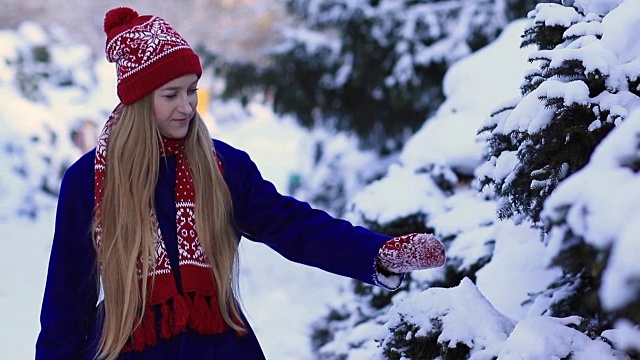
(411, 252)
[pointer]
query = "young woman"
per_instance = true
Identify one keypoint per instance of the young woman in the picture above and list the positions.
(144, 256)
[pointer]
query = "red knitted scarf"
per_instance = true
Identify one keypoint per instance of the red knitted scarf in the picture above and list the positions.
(196, 306)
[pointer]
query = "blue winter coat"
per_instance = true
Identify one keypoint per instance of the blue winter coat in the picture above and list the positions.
(70, 326)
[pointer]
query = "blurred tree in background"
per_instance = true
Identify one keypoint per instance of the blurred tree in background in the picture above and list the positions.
(239, 28)
(369, 67)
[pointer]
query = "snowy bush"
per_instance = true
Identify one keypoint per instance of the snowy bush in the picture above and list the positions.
(595, 231)
(431, 188)
(337, 169)
(600, 232)
(47, 82)
(371, 67)
(47, 59)
(585, 87)
(581, 90)
(436, 324)
(554, 279)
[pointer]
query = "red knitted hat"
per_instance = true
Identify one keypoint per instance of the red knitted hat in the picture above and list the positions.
(147, 52)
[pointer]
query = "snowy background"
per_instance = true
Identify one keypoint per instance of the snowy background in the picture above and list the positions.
(49, 111)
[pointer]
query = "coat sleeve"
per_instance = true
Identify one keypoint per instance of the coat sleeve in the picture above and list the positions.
(69, 302)
(292, 227)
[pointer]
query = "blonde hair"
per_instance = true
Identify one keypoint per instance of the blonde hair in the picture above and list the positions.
(133, 156)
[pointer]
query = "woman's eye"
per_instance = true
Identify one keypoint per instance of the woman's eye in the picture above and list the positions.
(192, 91)
(170, 96)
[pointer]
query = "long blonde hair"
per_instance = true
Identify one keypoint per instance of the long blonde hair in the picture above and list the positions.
(133, 156)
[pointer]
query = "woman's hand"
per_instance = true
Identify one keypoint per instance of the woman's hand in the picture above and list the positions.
(411, 252)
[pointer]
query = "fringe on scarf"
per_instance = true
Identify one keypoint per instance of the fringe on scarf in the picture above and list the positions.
(193, 311)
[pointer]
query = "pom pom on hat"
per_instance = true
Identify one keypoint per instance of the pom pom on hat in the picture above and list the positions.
(118, 17)
(147, 52)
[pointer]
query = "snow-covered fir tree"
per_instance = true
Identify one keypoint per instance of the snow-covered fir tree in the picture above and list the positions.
(565, 93)
(564, 270)
(372, 68)
(586, 85)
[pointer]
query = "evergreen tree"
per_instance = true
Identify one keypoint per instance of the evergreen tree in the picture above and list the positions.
(427, 207)
(563, 95)
(579, 93)
(577, 96)
(371, 67)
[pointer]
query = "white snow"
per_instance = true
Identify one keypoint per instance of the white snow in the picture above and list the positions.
(456, 308)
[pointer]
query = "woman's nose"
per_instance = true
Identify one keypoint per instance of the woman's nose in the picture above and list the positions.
(184, 106)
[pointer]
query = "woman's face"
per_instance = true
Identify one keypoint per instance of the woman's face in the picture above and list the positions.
(174, 106)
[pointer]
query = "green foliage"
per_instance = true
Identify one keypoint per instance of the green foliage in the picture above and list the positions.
(376, 297)
(583, 266)
(370, 70)
(582, 300)
(546, 155)
(370, 304)
(454, 272)
(322, 331)
(415, 223)
(543, 36)
(405, 343)
(549, 155)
